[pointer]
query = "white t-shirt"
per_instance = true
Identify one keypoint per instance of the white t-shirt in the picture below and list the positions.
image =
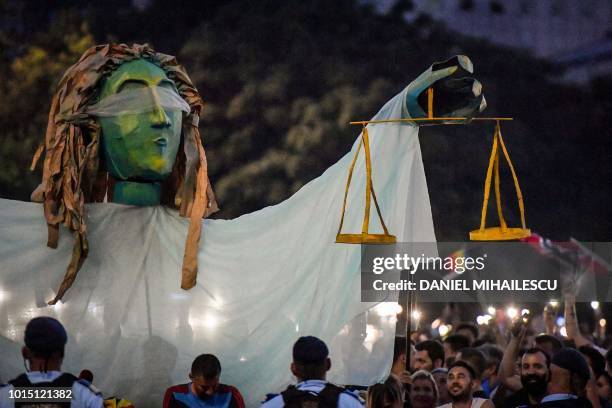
(476, 403)
(82, 395)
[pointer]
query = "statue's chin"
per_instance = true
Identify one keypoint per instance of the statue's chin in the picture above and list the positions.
(148, 174)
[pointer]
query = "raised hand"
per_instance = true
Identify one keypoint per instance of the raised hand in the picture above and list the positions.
(456, 92)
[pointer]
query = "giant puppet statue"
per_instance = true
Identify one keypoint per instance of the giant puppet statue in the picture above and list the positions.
(125, 191)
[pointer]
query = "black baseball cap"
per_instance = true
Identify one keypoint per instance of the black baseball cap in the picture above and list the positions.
(45, 335)
(572, 361)
(309, 350)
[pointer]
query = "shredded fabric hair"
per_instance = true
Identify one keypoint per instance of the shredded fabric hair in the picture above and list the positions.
(72, 175)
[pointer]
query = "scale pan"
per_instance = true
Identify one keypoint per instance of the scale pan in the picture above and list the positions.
(499, 234)
(365, 239)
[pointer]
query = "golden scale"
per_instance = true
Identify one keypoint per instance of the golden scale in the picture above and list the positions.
(499, 233)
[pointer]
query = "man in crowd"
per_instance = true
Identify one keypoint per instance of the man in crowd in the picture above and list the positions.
(440, 376)
(529, 385)
(594, 358)
(45, 339)
(452, 345)
(461, 383)
(475, 359)
(398, 369)
(550, 344)
(310, 366)
(429, 355)
(469, 330)
(534, 375)
(490, 378)
(569, 375)
(204, 390)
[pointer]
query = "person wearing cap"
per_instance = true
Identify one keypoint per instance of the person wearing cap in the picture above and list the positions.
(204, 390)
(45, 339)
(310, 365)
(461, 381)
(440, 375)
(423, 391)
(569, 375)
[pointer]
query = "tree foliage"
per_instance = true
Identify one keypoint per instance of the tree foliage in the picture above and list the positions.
(26, 86)
(281, 80)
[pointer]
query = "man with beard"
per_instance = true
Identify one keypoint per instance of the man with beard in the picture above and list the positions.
(461, 381)
(534, 375)
(204, 390)
(529, 382)
(476, 359)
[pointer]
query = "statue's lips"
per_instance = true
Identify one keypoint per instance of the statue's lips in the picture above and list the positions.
(161, 141)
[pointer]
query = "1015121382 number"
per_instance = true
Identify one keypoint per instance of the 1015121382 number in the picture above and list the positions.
(40, 394)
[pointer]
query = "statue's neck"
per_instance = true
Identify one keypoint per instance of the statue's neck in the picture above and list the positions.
(136, 193)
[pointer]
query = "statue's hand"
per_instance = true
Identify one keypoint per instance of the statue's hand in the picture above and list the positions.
(456, 92)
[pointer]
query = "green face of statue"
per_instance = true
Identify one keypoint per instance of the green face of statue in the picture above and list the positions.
(140, 146)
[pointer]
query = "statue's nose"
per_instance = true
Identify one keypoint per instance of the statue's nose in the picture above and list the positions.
(159, 118)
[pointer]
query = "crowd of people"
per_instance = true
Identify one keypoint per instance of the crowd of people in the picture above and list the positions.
(465, 369)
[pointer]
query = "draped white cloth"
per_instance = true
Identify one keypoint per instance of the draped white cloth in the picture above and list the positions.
(264, 279)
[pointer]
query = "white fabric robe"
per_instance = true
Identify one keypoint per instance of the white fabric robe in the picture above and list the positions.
(264, 279)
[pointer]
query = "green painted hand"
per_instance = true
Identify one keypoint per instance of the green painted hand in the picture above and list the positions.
(456, 92)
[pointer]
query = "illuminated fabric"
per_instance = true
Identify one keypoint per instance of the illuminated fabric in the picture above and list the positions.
(266, 278)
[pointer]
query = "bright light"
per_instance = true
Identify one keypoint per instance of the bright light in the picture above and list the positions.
(443, 330)
(563, 331)
(211, 321)
(487, 318)
(491, 310)
(602, 322)
(416, 314)
(3, 296)
(595, 305)
(372, 335)
(511, 312)
(553, 303)
(388, 309)
(242, 359)
(480, 320)
(297, 328)
(435, 324)
(524, 312)
(560, 321)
